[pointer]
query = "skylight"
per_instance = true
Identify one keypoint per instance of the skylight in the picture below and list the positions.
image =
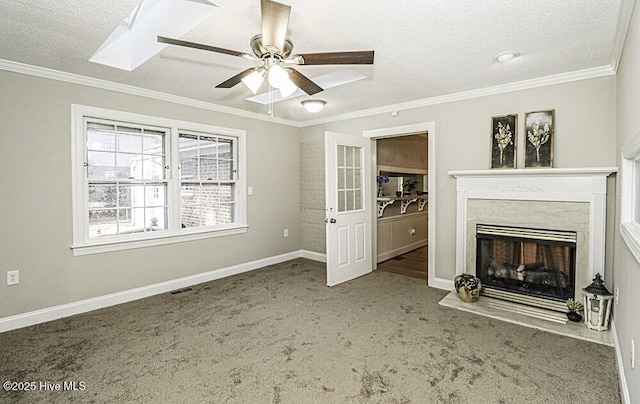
(135, 40)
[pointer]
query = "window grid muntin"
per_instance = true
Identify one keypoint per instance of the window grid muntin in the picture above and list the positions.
(350, 196)
(114, 132)
(194, 184)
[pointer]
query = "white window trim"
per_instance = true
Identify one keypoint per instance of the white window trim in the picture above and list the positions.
(629, 224)
(82, 246)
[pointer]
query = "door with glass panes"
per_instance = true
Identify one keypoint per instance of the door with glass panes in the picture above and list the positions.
(348, 207)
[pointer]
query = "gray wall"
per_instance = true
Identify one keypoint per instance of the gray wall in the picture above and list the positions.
(585, 137)
(35, 197)
(626, 268)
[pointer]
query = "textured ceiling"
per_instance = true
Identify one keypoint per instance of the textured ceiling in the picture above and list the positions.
(423, 48)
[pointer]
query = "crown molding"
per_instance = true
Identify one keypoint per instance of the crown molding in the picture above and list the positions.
(73, 78)
(624, 21)
(467, 95)
(52, 74)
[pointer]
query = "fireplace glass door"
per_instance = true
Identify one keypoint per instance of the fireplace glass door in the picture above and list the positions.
(535, 262)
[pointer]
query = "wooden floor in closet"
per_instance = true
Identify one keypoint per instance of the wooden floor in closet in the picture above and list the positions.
(413, 263)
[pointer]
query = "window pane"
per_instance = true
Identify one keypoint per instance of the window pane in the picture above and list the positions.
(358, 194)
(102, 222)
(137, 196)
(208, 147)
(101, 165)
(341, 178)
(208, 169)
(131, 220)
(341, 201)
(349, 150)
(155, 195)
(188, 168)
(129, 143)
(156, 219)
(350, 200)
(153, 167)
(226, 213)
(152, 144)
(349, 178)
(225, 149)
(341, 158)
(128, 166)
(125, 196)
(225, 170)
(206, 205)
(101, 141)
(102, 196)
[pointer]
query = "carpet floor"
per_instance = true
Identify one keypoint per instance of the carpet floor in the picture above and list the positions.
(279, 335)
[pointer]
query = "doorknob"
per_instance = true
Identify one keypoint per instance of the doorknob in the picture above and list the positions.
(332, 220)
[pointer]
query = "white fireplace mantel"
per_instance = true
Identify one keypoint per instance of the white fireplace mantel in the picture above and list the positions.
(549, 184)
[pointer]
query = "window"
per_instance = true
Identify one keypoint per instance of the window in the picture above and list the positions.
(350, 196)
(630, 195)
(141, 180)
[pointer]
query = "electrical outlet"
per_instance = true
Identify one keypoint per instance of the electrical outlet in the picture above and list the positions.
(286, 232)
(13, 277)
(633, 354)
(616, 294)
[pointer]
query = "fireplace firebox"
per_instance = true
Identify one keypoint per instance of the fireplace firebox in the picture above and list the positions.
(526, 265)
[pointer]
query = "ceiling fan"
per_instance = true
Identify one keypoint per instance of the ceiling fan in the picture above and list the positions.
(273, 50)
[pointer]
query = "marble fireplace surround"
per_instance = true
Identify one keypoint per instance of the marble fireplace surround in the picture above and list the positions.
(559, 199)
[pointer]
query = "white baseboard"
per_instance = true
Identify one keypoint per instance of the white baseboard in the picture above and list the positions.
(83, 306)
(624, 390)
(441, 283)
(312, 255)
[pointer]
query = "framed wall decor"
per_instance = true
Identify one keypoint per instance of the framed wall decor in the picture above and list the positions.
(504, 131)
(539, 128)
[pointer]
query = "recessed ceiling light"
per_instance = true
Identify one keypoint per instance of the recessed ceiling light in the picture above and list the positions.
(504, 57)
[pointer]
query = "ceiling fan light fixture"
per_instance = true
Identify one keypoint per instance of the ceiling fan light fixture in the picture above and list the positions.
(278, 77)
(287, 88)
(254, 80)
(313, 106)
(504, 57)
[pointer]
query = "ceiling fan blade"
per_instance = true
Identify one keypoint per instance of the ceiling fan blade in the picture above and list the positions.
(335, 58)
(303, 82)
(179, 42)
(236, 79)
(275, 21)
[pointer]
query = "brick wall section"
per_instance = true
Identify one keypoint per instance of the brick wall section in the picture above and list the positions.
(208, 204)
(312, 200)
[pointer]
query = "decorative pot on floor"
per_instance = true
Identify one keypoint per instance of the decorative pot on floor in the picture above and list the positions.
(468, 287)
(574, 307)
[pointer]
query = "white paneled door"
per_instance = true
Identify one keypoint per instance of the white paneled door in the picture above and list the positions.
(348, 207)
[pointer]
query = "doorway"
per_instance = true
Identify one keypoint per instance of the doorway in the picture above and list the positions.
(402, 200)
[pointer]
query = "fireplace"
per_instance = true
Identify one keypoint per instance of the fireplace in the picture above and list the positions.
(532, 266)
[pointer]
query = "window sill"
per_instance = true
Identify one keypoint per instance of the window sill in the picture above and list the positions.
(631, 234)
(119, 245)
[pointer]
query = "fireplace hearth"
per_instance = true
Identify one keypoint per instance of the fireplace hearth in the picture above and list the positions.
(527, 265)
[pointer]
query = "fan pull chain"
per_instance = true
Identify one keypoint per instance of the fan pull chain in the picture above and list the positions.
(270, 101)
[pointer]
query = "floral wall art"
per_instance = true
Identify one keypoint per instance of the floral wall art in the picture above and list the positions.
(539, 128)
(503, 141)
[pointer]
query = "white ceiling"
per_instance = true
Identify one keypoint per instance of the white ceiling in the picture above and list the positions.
(423, 48)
